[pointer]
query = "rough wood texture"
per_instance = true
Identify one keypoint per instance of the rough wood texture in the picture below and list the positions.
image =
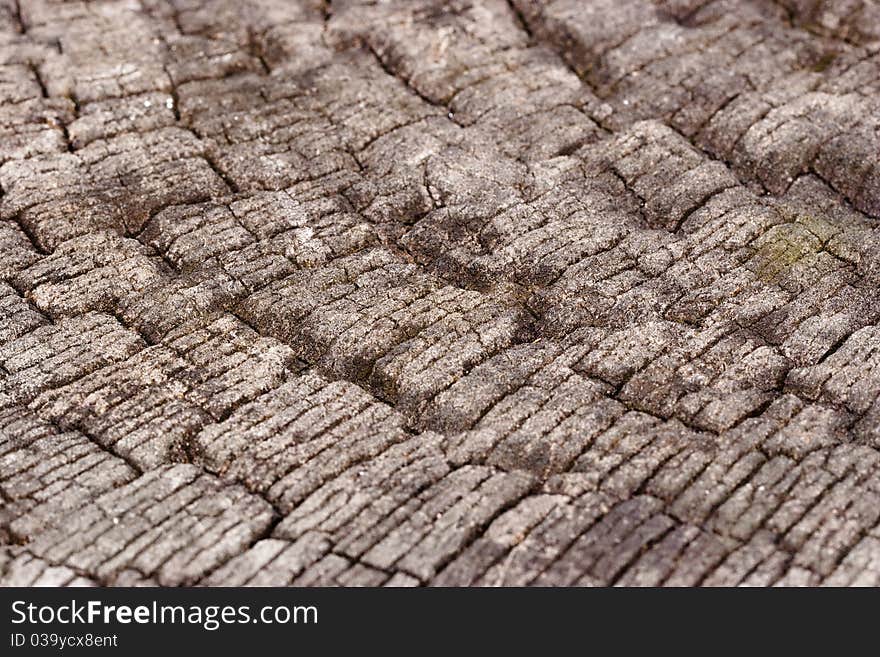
(440, 293)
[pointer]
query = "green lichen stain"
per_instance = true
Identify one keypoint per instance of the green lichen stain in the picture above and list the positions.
(782, 247)
(824, 62)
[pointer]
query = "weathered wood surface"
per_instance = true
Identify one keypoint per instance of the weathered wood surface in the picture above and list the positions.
(422, 292)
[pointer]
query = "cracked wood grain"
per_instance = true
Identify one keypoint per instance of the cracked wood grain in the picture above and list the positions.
(421, 293)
